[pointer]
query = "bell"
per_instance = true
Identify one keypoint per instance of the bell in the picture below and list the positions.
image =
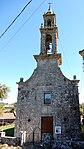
(48, 46)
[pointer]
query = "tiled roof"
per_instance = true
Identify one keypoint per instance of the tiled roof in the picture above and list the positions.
(7, 116)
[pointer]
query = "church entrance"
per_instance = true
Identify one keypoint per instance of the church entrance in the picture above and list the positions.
(46, 127)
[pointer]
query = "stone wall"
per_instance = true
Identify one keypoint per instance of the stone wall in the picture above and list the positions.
(63, 145)
(64, 107)
(67, 145)
(10, 140)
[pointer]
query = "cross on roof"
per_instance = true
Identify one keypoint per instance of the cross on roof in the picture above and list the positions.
(49, 6)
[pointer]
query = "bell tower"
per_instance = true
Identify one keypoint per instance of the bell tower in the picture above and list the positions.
(49, 38)
(49, 33)
(48, 102)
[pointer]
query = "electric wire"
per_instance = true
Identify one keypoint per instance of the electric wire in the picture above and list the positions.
(81, 80)
(15, 19)
(65, 57)
(81, 94)
(22, 25)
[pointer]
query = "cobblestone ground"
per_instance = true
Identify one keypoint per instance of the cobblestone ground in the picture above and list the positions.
(56, 145)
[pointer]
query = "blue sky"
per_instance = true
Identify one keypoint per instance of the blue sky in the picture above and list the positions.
(22, 40)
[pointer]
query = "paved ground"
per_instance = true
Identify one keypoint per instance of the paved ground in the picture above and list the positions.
(31, 146)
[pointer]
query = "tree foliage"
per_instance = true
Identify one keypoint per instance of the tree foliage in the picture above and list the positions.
(3, 91)
(82, 109)
(1, 108)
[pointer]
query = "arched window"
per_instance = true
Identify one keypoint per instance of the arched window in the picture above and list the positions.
(49, 23)
(48, 44)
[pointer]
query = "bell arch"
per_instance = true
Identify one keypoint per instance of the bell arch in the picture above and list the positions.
(49, 23)
(48, 44)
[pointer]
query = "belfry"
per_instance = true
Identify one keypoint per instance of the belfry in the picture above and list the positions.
(49, 33)
(48, 102)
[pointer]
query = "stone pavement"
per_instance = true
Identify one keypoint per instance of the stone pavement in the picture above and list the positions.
(56, 145)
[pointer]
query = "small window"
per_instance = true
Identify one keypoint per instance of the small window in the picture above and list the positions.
(47, 98)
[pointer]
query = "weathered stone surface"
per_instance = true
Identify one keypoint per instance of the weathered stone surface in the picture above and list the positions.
(6, 140)
(64, 106)
(67, 145)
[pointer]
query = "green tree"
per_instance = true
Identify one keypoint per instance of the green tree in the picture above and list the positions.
(82, 109)
(1, 108)
(3, 91)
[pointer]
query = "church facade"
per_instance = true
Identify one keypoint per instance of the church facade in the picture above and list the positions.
(48, 102)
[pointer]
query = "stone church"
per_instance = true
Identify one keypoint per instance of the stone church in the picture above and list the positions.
(48, 102)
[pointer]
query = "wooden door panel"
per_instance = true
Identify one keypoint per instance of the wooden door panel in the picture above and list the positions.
(47, 124)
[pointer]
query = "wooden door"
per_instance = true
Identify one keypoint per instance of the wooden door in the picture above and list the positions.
(47, 124)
